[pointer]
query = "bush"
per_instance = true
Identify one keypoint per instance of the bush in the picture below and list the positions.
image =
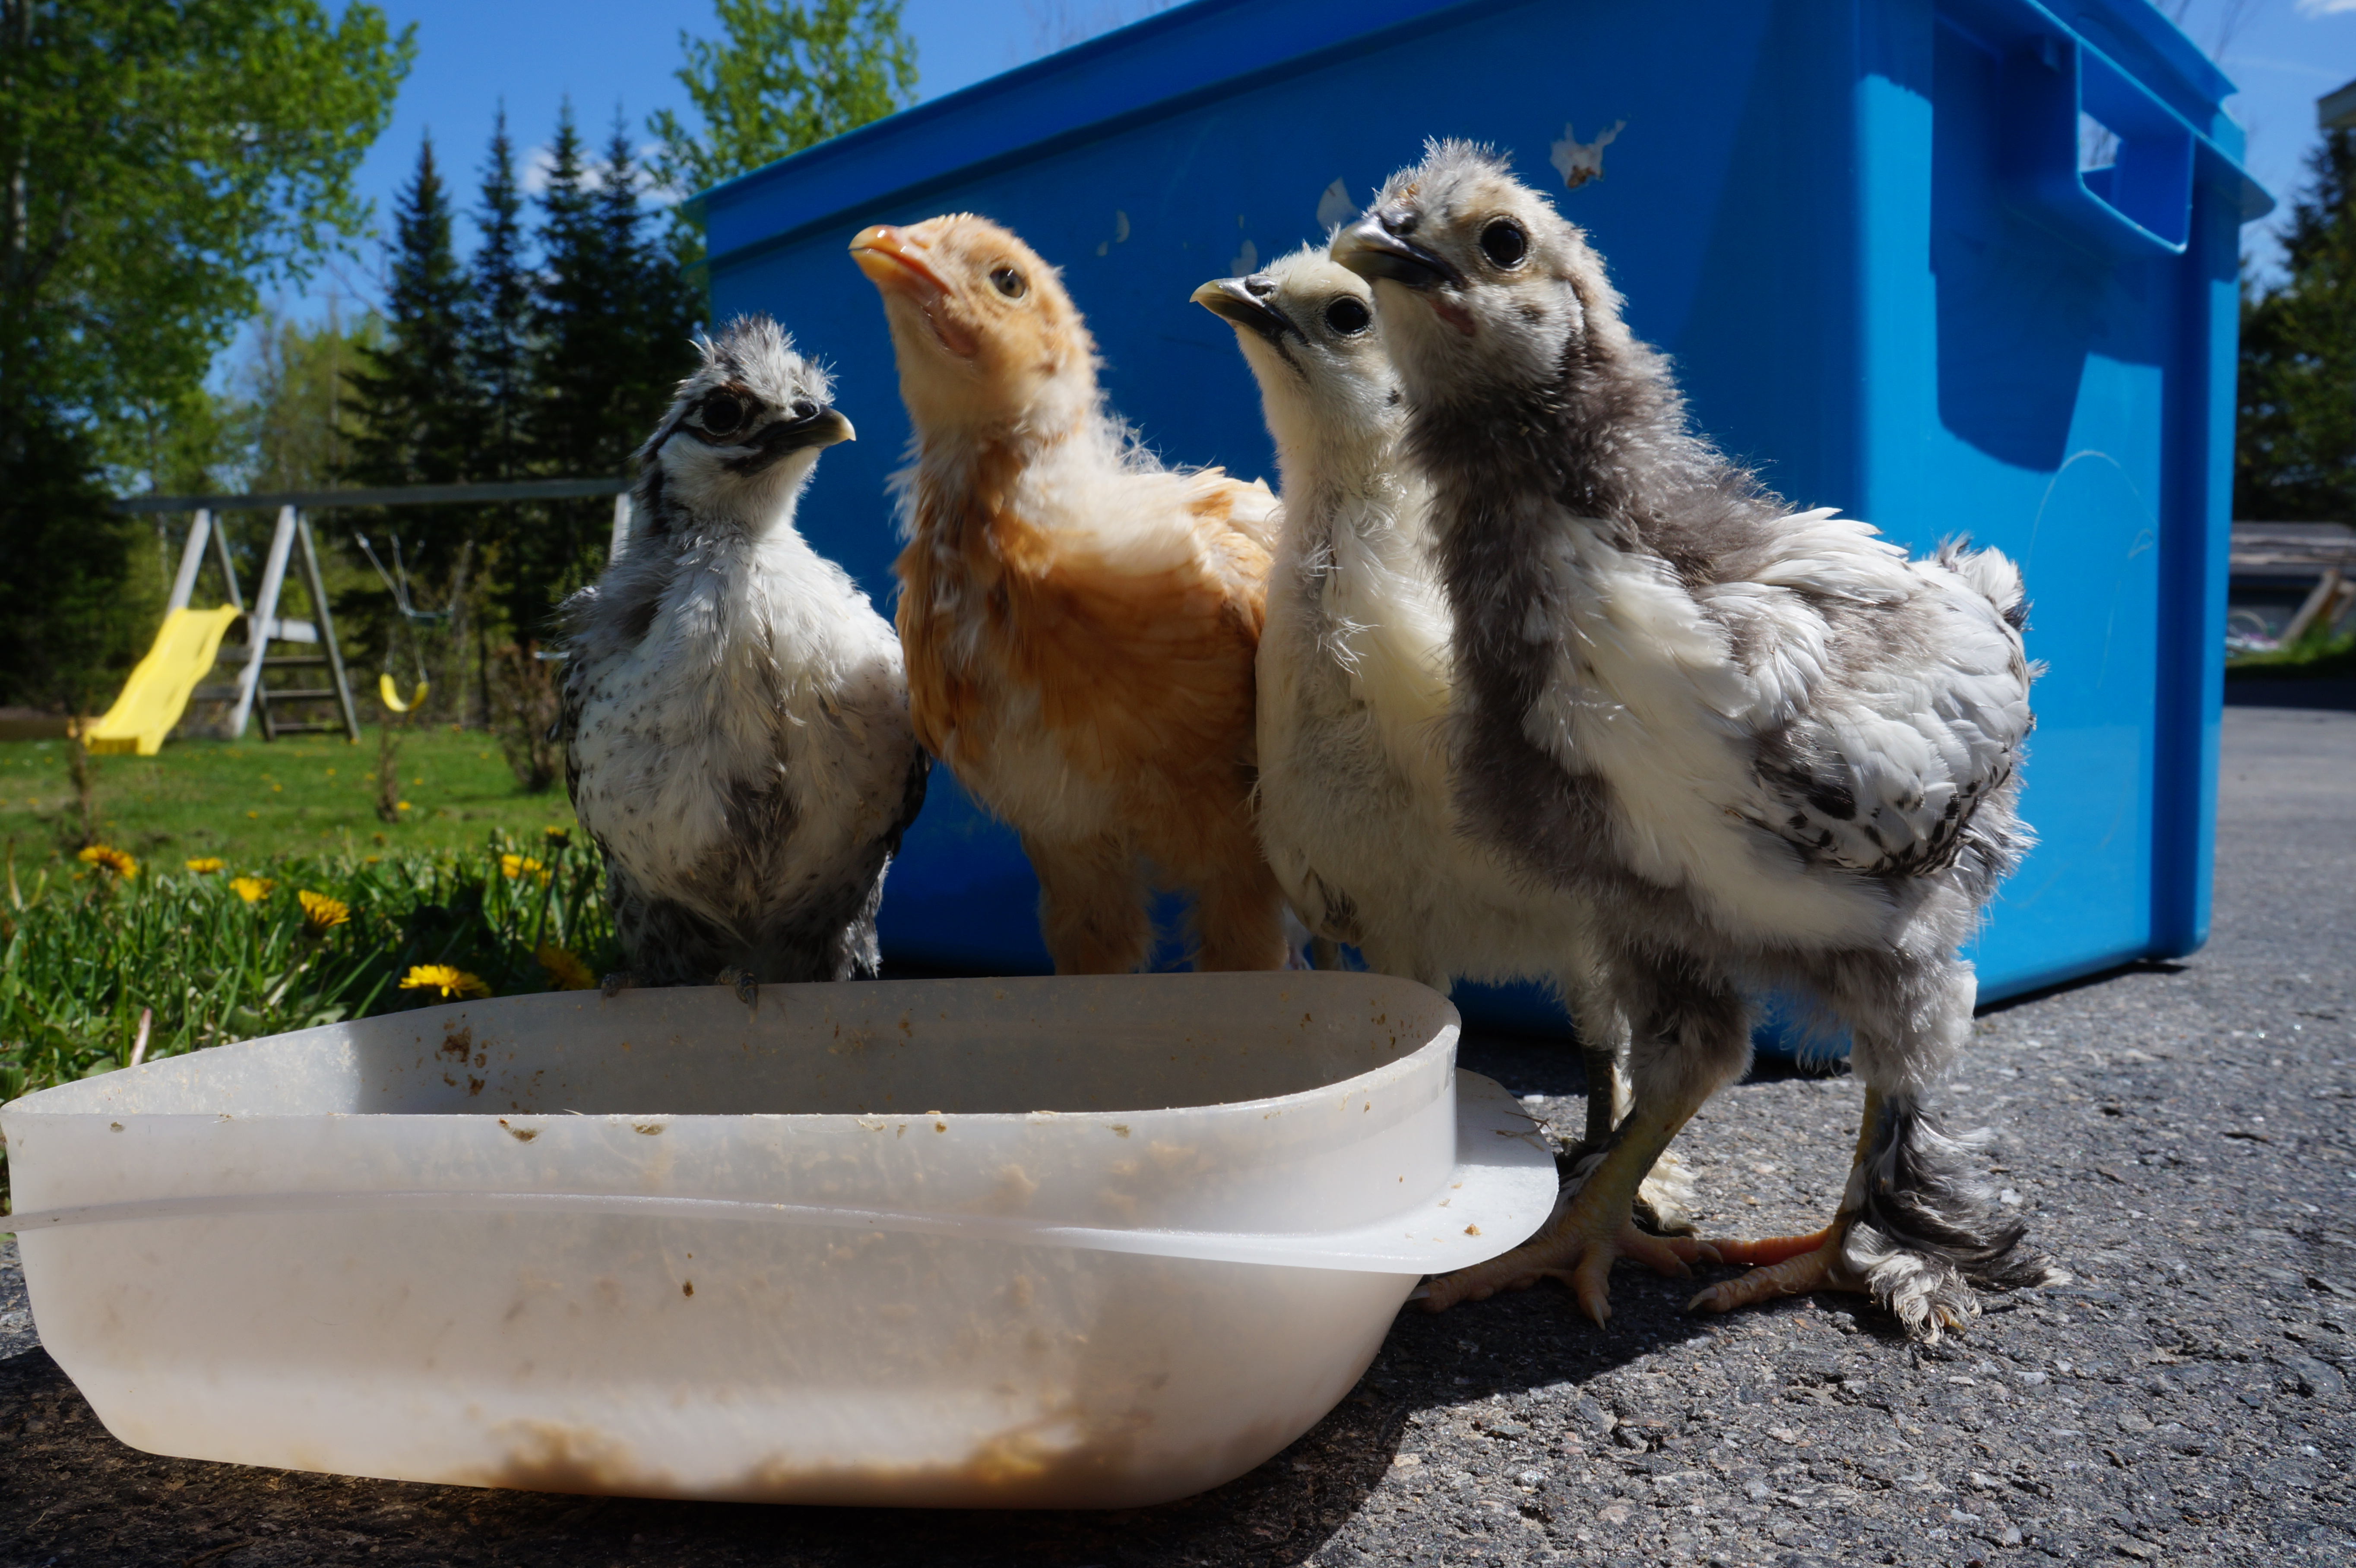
(218, 956)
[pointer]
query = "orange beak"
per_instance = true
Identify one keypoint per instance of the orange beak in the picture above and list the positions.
(894, 261)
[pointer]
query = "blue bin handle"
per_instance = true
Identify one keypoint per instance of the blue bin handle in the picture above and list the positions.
(2138, 207)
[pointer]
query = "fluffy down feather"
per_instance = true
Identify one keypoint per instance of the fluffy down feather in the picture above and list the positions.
(736, 721)
(1764, 745)
(1079, 622)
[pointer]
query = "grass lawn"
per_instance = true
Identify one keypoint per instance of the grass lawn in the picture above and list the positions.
(246, 801)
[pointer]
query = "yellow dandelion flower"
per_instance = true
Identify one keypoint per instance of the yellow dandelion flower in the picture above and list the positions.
(401, 806)
(204, 865)
(253, 889)
(560, 836)
(113, 859)
(322, 911)
(447, 979)
(514, 866)
(566, 972)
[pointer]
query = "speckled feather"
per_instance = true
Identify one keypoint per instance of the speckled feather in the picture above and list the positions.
(735, 718)
(1768, 747)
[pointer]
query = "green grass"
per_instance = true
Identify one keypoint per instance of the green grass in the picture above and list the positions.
(84, 951)
(245, 801)
(2319, 654)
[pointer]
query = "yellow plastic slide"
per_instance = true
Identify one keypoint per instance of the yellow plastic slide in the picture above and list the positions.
(158, 692)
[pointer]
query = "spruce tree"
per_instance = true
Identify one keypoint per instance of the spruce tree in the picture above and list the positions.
(498, 322)
(2294, 450)
(574, 353)
(412, 394)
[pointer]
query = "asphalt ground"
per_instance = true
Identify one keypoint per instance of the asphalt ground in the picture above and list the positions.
(2176, 1134)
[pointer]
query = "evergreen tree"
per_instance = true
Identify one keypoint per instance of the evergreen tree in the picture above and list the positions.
(575, 349)
(660, 313)
(413, 396)
(609, 341)
(2295, 451)
(498, 322)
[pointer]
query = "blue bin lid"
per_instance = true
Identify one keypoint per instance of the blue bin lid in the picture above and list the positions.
(1214, 48)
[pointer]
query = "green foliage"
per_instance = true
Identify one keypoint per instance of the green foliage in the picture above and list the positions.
(610, 325)
(414, 398)
(2294, 450)
(165, 159)
(783, 77)
(287, 415)
(83, 952)
(498, 314)
(72, 613)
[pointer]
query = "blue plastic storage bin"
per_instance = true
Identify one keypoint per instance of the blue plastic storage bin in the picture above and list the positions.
(1955, 266)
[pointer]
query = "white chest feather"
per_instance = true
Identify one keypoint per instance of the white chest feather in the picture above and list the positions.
(763, 670)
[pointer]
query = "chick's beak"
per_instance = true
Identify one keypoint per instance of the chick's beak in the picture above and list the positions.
(896, 263)
(1232, 300)
(823, 427)
(1377, 247)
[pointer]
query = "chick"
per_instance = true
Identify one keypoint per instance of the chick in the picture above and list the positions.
(1766, 746)
(736, 721)
(1355, 802)
(1079, 622)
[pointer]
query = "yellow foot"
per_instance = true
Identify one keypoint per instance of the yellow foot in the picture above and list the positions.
(1578, 1246)
(1783, 1266)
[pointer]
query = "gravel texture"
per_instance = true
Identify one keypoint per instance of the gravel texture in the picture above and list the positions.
(2177, 1134)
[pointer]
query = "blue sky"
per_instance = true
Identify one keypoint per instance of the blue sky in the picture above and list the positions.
(534, 54)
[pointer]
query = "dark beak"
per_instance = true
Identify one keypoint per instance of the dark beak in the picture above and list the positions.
(1378, 246)
(1233, 301)
(820, 428)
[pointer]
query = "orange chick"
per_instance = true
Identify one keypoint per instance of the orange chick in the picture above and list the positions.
(1079, 622)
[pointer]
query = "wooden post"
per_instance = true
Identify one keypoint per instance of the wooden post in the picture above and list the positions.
(621, 528)
(262, 624)
(311, 579)
(192, 557)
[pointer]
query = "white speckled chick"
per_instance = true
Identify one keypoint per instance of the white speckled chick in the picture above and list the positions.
(736, 721)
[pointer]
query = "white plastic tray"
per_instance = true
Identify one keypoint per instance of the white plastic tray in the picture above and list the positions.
(958, 1243)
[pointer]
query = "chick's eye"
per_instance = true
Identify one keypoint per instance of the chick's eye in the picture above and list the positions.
(1504, 242)
(1009, 281)
(1348, 316)
(721, 412)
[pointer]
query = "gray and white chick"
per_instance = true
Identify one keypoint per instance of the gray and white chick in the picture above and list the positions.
(735, 714)
(1765, 746)
(1355, 802)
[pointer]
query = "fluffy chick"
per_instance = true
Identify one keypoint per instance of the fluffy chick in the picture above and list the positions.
(1079, 622)
(1768, 748)
(1354, 801)
(736, 721)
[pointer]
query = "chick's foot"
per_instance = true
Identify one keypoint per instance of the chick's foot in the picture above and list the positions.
(1782, 1265)
(1579, 1246)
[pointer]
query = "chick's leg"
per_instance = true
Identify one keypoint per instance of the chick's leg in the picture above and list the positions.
(1239, 914)
(1696, 1039)
(1916, 1229)
(1665, 1199)
(1092, 912)
(1590, 1228)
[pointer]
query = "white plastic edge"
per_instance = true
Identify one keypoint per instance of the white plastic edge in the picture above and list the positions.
(1499, 1193)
